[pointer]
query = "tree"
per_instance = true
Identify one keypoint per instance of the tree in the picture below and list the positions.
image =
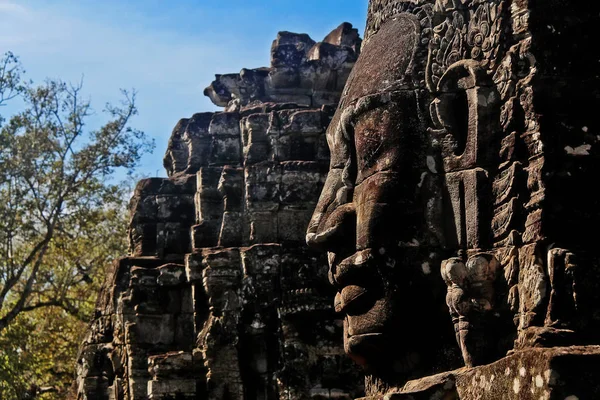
(38, 349)
(55, 189)
(10, 78)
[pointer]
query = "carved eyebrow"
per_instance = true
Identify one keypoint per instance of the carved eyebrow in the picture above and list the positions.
(371, 102)
(345, 129)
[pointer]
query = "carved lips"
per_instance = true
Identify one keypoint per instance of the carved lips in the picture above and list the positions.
(348, 295)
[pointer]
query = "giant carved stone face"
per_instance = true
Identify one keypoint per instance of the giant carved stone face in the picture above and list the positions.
(379, 212)
(442, 158)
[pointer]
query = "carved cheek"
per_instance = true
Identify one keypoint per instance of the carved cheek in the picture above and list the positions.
(376, 201)
(376, 141)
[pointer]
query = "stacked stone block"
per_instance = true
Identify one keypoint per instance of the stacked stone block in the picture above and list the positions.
(220, 298)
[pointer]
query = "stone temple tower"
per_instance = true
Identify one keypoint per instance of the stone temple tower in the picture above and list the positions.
(219, 297)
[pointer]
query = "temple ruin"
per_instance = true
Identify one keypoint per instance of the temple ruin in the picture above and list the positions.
(220, 297)
(420, 202)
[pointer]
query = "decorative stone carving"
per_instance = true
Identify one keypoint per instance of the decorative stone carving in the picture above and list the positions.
(470, 299)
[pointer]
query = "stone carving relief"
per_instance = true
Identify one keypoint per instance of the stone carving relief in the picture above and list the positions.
(471, 301)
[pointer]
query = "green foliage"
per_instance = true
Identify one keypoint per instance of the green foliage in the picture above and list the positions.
(38, 349)
(38, 354)
(62, 221)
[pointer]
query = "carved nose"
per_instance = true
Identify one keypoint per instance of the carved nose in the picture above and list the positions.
(334, 230)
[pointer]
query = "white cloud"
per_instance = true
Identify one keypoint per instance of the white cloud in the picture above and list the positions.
(7, 6)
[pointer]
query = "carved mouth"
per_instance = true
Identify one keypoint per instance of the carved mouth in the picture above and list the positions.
(349, 298)
(354, 270)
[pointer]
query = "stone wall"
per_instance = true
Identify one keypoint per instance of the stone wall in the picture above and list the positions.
(219, 297)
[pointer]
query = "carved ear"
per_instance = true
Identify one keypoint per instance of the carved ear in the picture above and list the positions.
(463, 75)
(454, 271)
(482, 267)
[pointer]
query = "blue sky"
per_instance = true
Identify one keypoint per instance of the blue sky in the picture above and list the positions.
(168, 50)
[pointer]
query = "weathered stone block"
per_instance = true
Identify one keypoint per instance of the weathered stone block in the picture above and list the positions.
(290, 49)
(138, 386)
(209, 206)
(151, 329)
(344, 35)
(255, 139)
(173, 238)
(226, 150)
(208, 180)
(262, 187)
(257, 152)
(138, 360)
(282, 77)
(292, 224)
(94, 384)
(263, 226)
(301, 184)
(173, 208)
(176, 157)
(255, 128)
(171, 275)
(305, 121)
(199, 155)
(176, 363)
(141, 277)
(194, 266)
(295, 146)
(331, 57)
(261, 260)
(187, 299)
(231, 229)
(231, 187)
(205, 234)
(222, 259)
(225, 123)
(143, 209)
(181, 184)
(142, 239)
(198, 126)
(184, 331)
(176, 387)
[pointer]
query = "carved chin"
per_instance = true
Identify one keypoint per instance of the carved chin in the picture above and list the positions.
(365, 338)
(364, 348)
